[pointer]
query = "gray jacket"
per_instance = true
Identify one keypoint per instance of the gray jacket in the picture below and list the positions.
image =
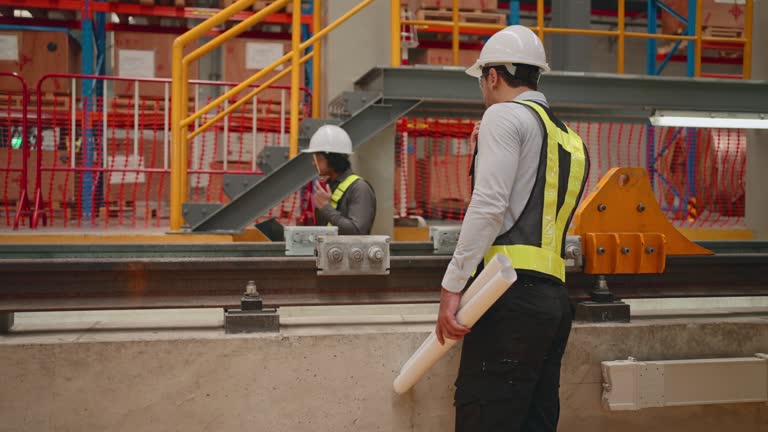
(356, 209)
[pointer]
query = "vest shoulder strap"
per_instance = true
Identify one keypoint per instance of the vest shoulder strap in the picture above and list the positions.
(342, 188)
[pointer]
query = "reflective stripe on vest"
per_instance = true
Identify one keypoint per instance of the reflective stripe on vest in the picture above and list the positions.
(547, 257)
(343, 186)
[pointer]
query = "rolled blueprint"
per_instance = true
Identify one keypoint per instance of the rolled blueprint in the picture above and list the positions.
(489, 285)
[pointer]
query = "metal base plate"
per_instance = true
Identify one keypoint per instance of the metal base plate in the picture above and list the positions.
(6, 322)
(616, 311)
(240, 321)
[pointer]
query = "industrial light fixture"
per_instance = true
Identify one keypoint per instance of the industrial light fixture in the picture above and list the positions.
(727, 120)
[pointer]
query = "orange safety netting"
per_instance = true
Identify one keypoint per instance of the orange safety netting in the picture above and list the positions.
(698, 174)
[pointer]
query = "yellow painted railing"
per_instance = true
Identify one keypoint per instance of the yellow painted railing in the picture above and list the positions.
(181, 120)
(621, 34)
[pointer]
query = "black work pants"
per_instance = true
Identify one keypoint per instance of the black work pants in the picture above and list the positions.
(509, 378)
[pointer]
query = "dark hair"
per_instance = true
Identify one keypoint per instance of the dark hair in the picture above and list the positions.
(338, 162)
(525, 75)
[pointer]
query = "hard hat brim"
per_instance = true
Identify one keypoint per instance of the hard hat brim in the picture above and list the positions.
(475, 70)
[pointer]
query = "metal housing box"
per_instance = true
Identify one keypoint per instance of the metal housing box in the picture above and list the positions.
(444, 238)
(301, 240)
(353, 255)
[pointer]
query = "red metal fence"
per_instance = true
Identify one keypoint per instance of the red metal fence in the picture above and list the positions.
(103, 161)
(698, 174)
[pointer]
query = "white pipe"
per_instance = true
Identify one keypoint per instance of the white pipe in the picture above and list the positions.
(254, 135)
(493, 267)
(135, 121)
(404, 176)
(226, 136)
(104, 143)
(489, 286)
(166, 133)
(73, 131)
(282, 117)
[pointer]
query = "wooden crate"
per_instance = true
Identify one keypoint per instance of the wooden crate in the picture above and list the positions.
(465, 5)
(715, 13)
(149, 55)
(465, 17)
(35, 54)
(245, 57)
(442, 56)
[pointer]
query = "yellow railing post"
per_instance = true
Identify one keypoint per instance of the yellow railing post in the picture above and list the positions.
(316, 60)
(295, 78)
(540, 18)
(395, 32)
(257, 76)
(620, 49)
(697, 34)
(176, 139)
(748, 17)
(180, 93)
(455, 36)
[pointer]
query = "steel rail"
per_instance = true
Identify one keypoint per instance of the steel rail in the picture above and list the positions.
(53, 284)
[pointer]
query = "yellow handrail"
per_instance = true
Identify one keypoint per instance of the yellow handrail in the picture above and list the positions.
(748, 15)
(181, 121)
(202, 128)
(621, 34)
(293, 149)
(245, 84)
(395, 32)
(317, 60)
(180, 91)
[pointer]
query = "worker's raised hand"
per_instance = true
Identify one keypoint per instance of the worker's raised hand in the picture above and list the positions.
(322, 195)
(475, 133)
(447, 325)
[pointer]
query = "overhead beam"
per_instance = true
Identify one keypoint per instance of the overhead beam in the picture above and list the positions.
(585, 91)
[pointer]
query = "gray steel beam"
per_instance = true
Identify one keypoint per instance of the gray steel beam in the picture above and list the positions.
(585, 91)
(109, 283)
(278, 184)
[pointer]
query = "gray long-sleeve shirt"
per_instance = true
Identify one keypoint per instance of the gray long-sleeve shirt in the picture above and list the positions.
(356, 209)
(509, 146)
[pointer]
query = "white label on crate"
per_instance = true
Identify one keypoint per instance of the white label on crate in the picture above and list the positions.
(741, 2)
(9, 48)
(127, 162)
(259, 55)
(136, 63)
(49, 137)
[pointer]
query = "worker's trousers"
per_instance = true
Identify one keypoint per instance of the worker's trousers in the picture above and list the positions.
(509, 377)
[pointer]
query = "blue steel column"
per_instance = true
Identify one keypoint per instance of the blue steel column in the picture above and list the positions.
(651, 44)
(514, 12)
(306, 34)
(88, 148)
(690, 30)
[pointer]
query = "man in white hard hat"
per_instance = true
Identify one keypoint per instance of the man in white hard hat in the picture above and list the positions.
(528, 175)
(346, 201)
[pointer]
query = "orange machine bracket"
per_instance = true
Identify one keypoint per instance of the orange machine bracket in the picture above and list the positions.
(622, 217)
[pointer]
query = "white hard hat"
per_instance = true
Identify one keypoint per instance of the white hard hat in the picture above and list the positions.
(330, 139)
(515, 44)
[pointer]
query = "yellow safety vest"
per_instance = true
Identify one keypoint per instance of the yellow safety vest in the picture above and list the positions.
(341, 188)
(535, 243)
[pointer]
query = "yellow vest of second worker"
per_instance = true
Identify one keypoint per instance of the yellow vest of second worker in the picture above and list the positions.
(339, 192)
(536, 242)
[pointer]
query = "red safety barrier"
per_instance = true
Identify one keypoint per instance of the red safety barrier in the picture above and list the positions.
(103, 161)
(698, 174)
(15, 151)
